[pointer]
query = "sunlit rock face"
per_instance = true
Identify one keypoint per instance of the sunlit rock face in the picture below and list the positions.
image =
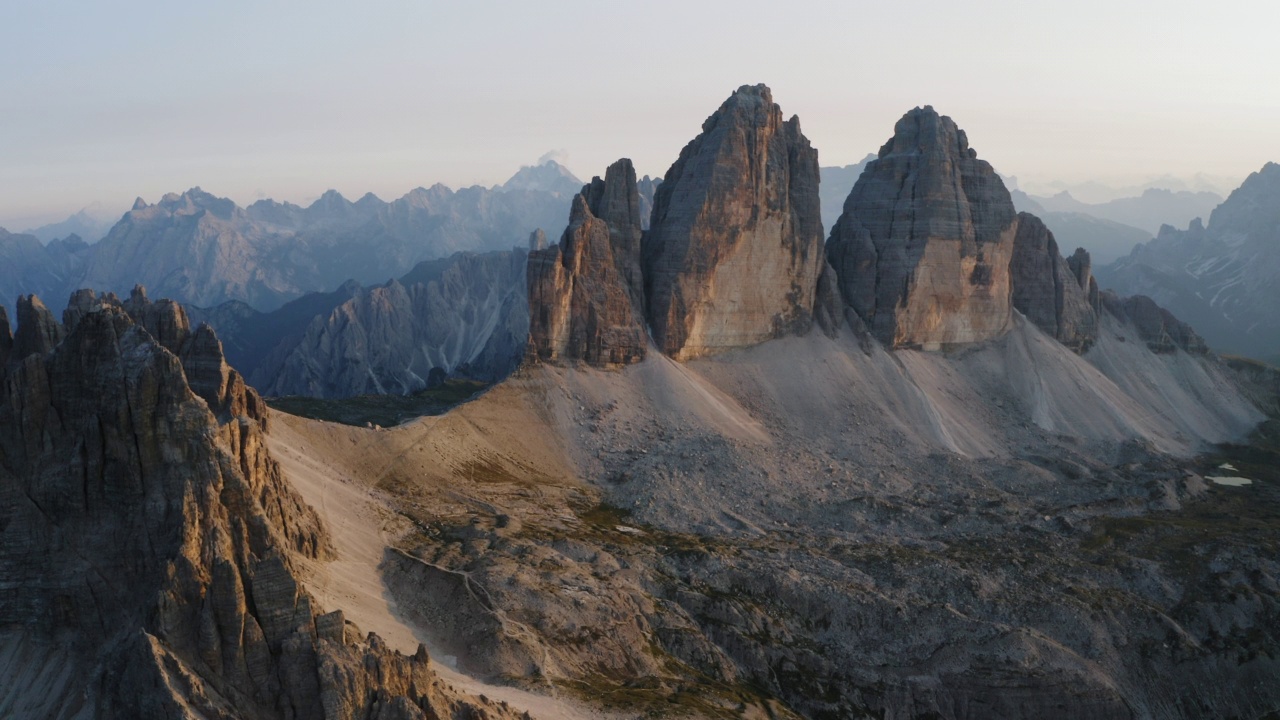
(586, 292)
(151, 547)
(734, 249)
(922, 249)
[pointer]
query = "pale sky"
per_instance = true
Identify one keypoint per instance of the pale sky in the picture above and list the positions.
(105, 101)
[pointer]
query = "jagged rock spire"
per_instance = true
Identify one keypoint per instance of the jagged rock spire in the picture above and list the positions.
(38, 330)
(734, 249)
(584, 293)
(537, 240)
(1048, 290)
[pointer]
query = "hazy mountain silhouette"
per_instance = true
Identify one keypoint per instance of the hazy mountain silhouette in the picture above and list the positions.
(1224, 277)
(201, 249)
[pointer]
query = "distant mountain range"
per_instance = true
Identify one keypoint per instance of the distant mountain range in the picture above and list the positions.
(1224, 277)
(91, 223)
(1096, 192)
(204, 250)
(1147, 212)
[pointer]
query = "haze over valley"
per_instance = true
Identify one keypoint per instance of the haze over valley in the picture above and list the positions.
(838, 362)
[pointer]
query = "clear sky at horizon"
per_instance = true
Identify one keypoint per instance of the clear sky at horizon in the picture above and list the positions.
(108, 101)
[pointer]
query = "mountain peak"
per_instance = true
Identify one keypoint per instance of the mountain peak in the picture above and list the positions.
(924, 131)
(752, 93)
(742, 197)
(550, 176)
(954, 253)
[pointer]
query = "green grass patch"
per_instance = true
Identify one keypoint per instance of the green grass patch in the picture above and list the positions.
(382, 410)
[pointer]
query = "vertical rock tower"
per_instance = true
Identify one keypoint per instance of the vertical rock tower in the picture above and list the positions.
(734, 248)
(1052, 292)
(586, 293)
(922, 249)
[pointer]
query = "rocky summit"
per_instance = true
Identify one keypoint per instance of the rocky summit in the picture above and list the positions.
(734, 248)
(151, 549)
(586, 292)
(922, 249)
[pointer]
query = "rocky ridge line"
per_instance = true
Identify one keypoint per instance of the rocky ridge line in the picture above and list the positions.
(148, 539)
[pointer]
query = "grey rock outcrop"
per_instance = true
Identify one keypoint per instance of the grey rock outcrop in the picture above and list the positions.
(827, 306)
(923, 246)
(1156, 326)
(150, 546)
(586, 293)
(38, 332)
(734, 248)
(1049, 290)
(1081, 265)
(537, 240)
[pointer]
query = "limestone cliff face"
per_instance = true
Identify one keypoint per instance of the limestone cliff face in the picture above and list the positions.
(734, 248)
(922, 249)
(148, 541)
(1052, 292)
(586, 293)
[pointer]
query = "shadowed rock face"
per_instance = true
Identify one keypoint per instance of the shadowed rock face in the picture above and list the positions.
(1157, 327)
(38, 332)
(148, 541)
(1082, 268)
(6, 339)
(923, 246)
(1052, 292)
(734, 248)
(586, 293)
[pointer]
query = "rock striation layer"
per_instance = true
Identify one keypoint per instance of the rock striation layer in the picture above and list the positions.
(586, 293)
(734, 248)
(922, 249)
(1050, 291)
(148, 541)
